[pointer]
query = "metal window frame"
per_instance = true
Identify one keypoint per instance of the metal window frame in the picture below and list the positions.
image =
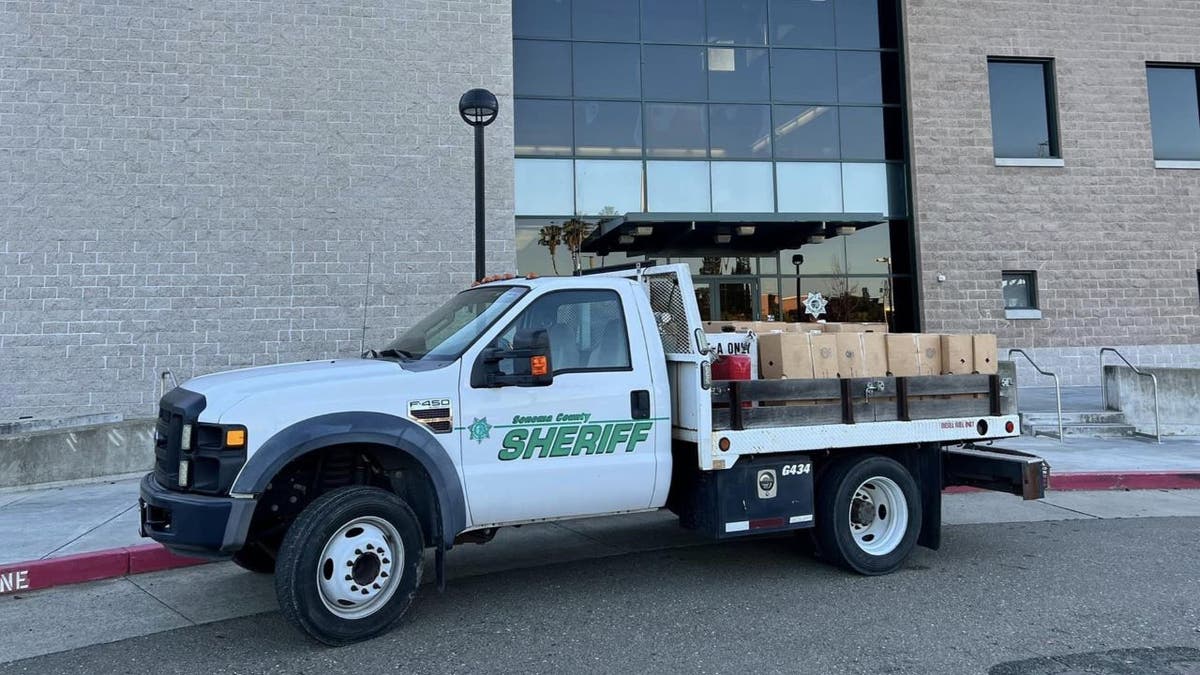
(1049, 82)
(1032, 284)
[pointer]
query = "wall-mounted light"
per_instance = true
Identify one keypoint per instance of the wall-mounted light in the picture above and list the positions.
(745, 230)
(643, 230)
(816, 238)
(845, 230)
(625, 239)
(723, 238)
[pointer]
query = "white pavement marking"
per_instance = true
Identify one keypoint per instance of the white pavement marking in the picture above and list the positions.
(1131, 504)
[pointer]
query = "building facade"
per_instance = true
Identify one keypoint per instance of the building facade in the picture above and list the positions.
(228, 184)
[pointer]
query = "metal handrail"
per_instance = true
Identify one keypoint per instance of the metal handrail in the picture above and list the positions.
(162, 382)
(1153, 381)
(1057, 388)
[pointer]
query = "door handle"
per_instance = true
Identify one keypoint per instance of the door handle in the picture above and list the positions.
(639, 404)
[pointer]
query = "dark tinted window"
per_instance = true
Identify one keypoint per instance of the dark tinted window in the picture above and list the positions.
(1020, 290)
(607, 71)
(674, 73)
(738, 74)
(586, 330)
(742, 22)
(608, 128)
(605, 20)
(858, 24)
(1174, 112)
(676, 130)
(871, 133)
(542, 127)
(541, 68)
(868, 77)
(673, 20)
(740, 131)
(1023, 123)
(804, 75)
(806, 132)
(802, 23)
(542, 18)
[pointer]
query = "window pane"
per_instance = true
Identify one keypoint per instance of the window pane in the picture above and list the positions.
(533, 251)
(743, 187)
(673, 20)
(827, 257)
(804, 75)
(850, 298)
(897, 191)
(543, 187)
(802, 23)
(607, 71)
(1174, 112)
(606, 19)
(866, 246)
(738, 74)
(606, 187)
(1018, 290)
(865, 188)
(1020, 121)
(740, 131)
(675, 73)
(542, 18)
(586, 330)
(737, 22)
(542, 127)
(608, 128)
(809, 187)
(541, 68)
(871, 133)
(677, 187)
(868, 77)
(806, 132)
(676, 130)
(858, 24)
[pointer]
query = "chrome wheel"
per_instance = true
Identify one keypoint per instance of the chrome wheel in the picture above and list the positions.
(878, 515)
(358, 570)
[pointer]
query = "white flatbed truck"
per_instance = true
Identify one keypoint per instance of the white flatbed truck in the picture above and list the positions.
(527, 400)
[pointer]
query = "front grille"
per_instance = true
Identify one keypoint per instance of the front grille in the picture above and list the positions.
(437, 419)
(178, 407)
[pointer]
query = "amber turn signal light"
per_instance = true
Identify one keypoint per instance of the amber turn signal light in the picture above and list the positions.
(235, 438)
(538, 365)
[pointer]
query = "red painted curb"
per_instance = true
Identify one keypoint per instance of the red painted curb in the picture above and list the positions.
(1130, 480)
(34, 575)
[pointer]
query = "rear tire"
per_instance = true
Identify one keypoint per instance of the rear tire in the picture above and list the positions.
(868, 514)
(350, 565)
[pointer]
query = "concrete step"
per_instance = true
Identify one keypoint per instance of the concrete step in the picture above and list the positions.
(1087, 430)
(1097, 417)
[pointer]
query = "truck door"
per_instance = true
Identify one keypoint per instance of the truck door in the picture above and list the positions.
(584, 444)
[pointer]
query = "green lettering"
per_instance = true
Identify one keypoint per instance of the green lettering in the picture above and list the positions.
(620, 435)
(604, 438)
(641, 431)
(513, 444)
(588, 435)
(563, 441)
(542, 444)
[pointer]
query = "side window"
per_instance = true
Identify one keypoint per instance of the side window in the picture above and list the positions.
(586, 328)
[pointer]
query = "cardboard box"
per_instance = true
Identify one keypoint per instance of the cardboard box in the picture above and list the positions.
(929, 354)
(958, 354)
(914, 354)
(985, 354)
(852, 327)
(785, 356)
(874, 349)
(824, 350)
(727, 326)
(850, 358)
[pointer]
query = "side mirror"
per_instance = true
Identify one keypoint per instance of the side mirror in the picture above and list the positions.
(530, 359)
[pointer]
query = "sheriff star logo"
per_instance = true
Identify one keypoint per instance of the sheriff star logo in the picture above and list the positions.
(480, 430)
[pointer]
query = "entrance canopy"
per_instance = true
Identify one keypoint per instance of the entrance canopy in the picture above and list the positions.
(725, 234)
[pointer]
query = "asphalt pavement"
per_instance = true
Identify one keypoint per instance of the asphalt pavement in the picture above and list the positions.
(1085, 583)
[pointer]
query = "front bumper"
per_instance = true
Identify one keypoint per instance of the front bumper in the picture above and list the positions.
(194, 525)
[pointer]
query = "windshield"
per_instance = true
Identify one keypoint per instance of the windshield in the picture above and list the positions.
(447, 332)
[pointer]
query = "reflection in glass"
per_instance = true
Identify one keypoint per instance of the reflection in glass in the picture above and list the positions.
(607, 71)
(809, 187)
(542, 127)
(1174, 112)
(543, 187)
(860, 77)
(862, 133)
(897, 191)
(607, 187)
(865, 188)
(674, 73)
(858, 24)
(736, 299)
(865, 247)
(742, 187)
(535, 239)
(677, 187)
(850, 298)
(740, 131)
(806, 132)
(542, 18)
(802, 23)
(768, 299)
(541, 68)
(676, 130)
(608, 128)
(704, 299)
(738, 74)
(605, 20)
(673, 20)
(804, 75)
(1021, 125)
(740, 22)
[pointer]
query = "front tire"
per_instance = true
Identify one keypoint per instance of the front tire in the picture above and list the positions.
(350, 565)
(868, 514)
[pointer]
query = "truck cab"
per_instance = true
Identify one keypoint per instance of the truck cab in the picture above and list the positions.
(523, 400)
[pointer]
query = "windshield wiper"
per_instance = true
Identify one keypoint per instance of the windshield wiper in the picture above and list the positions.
(397, 353)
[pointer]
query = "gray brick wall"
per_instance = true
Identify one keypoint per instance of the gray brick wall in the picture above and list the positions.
(198, 186)
(1114, 240)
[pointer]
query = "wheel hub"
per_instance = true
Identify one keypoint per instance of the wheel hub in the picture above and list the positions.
(366, 569)
(357, 568)
(878, 515)
(862, 512)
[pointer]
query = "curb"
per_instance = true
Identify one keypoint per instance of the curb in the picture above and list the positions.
(118, 562)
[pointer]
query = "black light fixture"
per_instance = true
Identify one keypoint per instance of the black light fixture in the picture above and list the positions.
(478, 108)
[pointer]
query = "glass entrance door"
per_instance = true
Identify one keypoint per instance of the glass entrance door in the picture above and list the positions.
(727, 299)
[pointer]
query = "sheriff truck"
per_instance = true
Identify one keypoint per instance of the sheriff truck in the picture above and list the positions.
(528, 400)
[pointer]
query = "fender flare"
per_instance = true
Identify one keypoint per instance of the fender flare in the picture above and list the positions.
(403, 435)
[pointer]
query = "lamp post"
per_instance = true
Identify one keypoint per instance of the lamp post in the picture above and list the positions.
(478, 108)
(890, 307)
